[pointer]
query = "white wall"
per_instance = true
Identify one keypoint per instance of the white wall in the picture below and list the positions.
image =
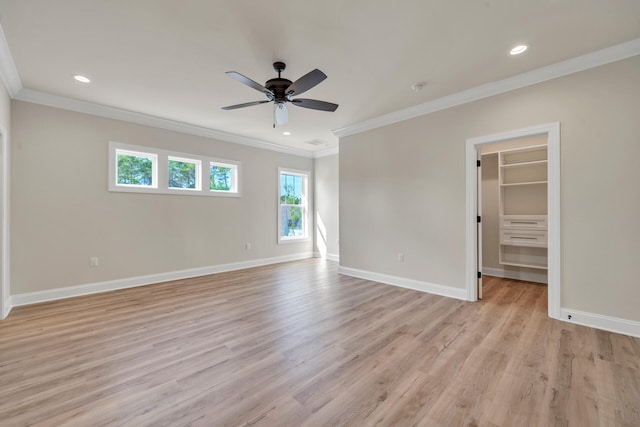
(402, 187)
(62, 213)
(326, 202)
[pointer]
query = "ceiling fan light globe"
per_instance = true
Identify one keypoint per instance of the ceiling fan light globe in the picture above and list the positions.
(281, 113)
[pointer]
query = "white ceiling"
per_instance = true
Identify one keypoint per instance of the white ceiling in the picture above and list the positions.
(167, 58)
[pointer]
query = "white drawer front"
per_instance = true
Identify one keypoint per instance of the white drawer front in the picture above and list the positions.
(533, 238)
(535, 222)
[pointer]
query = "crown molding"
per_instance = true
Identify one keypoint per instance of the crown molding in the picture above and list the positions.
(539, 75)
(50, 100)
(326, 152)
(8, 71)
(11, 79)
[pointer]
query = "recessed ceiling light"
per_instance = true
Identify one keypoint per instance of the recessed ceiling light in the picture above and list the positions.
(286, 133)
(517, 50)
(81, 78)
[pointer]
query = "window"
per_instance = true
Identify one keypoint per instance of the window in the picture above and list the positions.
(223, 177)
(184, 174)
(136, 169)
(292, 211)
(151, 170)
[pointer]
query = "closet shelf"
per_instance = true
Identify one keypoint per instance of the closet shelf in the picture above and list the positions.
(522, 178)
(523, 164)
(523, 183)
(520, 264)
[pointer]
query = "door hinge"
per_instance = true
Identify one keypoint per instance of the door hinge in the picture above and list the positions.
(478, 163)
(479, 218)
(479, 275)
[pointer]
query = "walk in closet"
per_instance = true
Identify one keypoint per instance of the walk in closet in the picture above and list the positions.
(514, 209)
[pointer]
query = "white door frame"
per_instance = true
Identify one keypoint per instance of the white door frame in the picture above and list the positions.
(479, 223)
(5, 304)
(552, 131)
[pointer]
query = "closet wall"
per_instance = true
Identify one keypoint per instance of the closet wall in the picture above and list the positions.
(491, 214)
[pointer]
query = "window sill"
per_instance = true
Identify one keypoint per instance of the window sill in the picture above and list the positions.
(287, 240)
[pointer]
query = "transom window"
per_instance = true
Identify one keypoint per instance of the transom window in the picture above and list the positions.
(292, 210)
(184, 173)
(151, 170)
(223, 177)
(136, 169)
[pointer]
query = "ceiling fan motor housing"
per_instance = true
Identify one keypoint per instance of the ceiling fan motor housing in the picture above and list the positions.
(278, 86)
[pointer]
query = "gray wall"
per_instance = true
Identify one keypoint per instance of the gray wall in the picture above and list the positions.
(5, 107)
(490, 213)
(62, 213)
(402, 187)
(327, 189)
(5, 121)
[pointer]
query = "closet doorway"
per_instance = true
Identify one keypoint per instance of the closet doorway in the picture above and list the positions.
(521, 237)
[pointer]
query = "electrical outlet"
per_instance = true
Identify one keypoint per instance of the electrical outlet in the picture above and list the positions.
(247, 246)
(400, 256)
(93, 261)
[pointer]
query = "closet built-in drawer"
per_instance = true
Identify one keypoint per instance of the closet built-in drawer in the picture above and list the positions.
(531, 222)
(532, 238)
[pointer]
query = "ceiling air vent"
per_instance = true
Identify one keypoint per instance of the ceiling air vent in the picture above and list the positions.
(316, 142)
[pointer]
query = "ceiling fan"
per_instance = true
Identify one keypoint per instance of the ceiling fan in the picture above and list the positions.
(280, 91)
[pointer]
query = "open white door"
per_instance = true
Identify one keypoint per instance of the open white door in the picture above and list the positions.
(479, 223)
(5, 305)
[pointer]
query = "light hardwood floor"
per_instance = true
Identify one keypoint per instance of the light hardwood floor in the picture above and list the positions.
(297, 344)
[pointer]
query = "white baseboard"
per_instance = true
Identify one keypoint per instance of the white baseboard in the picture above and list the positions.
(333, 257)
(402, 282)
(111, 285)
(330, 257)
(516, 275)
(599, 321)
(6, 309)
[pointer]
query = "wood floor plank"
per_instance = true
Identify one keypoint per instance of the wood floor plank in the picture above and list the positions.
(297, 344)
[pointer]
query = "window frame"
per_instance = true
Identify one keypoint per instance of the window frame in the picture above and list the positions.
(160, 167)
(304, 205)
(198, 177)
(234, 166)
(135, 153)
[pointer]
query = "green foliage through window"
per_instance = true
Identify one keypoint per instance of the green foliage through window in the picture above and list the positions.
(182, 174)
(135, 170)
(290, 189)
(140, 169)
(220, 178)
(291, 217)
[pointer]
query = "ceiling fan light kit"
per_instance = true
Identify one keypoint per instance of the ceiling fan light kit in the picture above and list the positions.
(280, 91)
(280, 114)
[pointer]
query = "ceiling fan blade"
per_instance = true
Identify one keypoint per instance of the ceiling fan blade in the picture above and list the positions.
(246, 104)
(314, 104)
(247, 81)
(280, 112)
(306, 82)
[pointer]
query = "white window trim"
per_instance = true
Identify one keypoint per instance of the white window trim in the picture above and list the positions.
(160, 169)
(305, 206)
